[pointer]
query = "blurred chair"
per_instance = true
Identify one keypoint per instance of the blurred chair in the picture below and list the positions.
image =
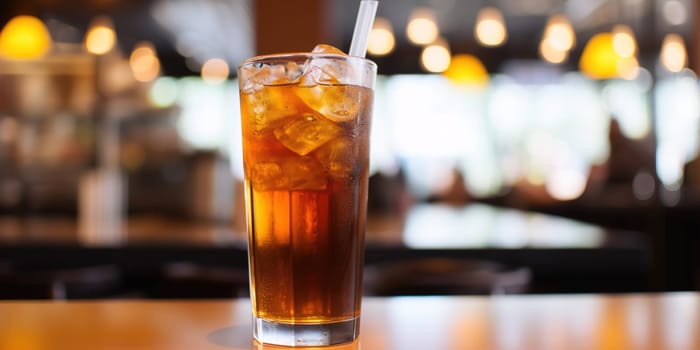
(444, 276)
(85, 282)
(186, 280)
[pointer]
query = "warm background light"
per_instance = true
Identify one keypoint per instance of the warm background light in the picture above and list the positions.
(673, 53)
(559, 33)
(101, 37)
(215, 70)
(381, 38)
(422, 26)
(465, 69)
(490, 27)
(552, 54)
(623, 41)
(24, 37)
(599, 59)
(435, 57)
(144, 62)
(566, 184)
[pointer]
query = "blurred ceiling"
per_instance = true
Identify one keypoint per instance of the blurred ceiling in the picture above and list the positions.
(68, 21)
(223, 28)
(525, 21)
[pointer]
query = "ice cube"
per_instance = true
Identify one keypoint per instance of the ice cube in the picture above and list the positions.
(289, 174)
(323, 87)
(315, 74)
(337, 156)
(294, 71)
(253, 78)
(329, 71)
(310, 77)
(284, 74)
(335, 102)
(306, 133)
(324, 70)
(267, 108)
(277, 76)
(268, 176)
(323, 48)
(304, 173)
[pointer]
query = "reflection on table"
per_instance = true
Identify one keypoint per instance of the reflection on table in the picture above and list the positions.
(634, 321)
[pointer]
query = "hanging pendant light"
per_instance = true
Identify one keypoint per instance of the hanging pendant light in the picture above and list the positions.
(381, 38)
(490, 29)
(436, 57)
(24, 37)
(422, 28)
(100, 38)
(674, 56)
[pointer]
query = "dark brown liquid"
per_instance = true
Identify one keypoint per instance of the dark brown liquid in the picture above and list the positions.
(306, 241)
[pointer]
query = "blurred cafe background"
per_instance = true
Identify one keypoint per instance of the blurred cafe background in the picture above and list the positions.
(517, 145)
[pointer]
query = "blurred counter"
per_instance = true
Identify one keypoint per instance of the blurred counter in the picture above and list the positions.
(424, 226)
(560, 255)
(142, 230)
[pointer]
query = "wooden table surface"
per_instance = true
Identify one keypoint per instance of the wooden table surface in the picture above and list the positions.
(633, 321)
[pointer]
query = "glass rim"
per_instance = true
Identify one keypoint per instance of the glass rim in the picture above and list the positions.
(285, 57)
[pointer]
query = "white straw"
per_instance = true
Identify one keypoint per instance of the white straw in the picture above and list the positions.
(363, 25)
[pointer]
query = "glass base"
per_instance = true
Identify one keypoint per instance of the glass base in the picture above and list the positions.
(287, 334)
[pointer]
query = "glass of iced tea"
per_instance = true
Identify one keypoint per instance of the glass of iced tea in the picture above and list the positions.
(306, 126)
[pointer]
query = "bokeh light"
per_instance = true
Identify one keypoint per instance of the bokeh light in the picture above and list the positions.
(551, 54)
(623, 41)
(674, 56)
(465, 69)
(559, 34)
(435, 57)
(101, 37)
(381, 38)
(144, 62)
(490, 27)
(422, 26)
(24, 37)
(215, 70)
(599, 59)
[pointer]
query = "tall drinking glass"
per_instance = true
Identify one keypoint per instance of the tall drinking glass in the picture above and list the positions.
(306, 126)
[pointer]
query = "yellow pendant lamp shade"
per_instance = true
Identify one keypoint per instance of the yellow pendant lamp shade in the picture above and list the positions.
(24, 37)
(467, 69)
(599, 59)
